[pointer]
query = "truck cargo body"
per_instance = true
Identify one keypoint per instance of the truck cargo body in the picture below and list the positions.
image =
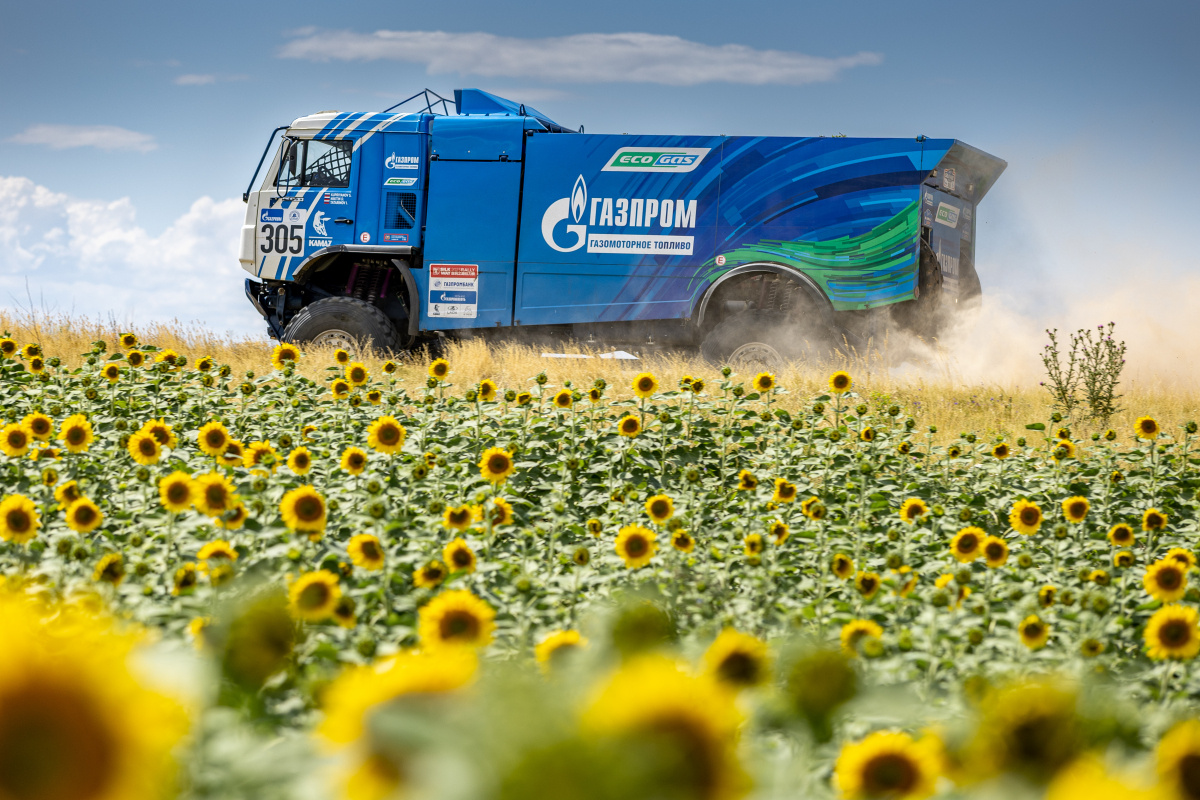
(497, 220)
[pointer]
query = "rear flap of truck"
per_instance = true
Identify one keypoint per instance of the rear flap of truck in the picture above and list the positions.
(949, 196)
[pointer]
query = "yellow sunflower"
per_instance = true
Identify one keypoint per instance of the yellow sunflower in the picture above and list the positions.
(175, 492)
(39, 426)
(455, 618)
(354, 460)
(339, 388)
(214, 494)
(867, 434)
(366, 551)
(842, 565)
(855, 631)
(497, 509)
(555, 646)
(341, 356)
(457, 517)
(234, 454)
(67, 493)
(313, 596)
(563, 398)
(1145, 428)
(995, 551)
(967, 544)
(1121, 535)
(15, 440)
(232, 519)
(111, 372)
(763, 382)
(1025, 517)
(785, 492)
(375, 397)
(439, 369)
(357, 374)
(692, 721)
(487, 390)
(285, 354)
(1000, 451)
(1166, 580)
(1172, 632)
(1178, 760)
(635, 545)
(144, 448)
(261, 454)
(683, 541)
(496, 465)
(1153, 520)
(459, 556)
(76, 433)
(8, 347)
(779, 531)
(1075, 509)
(629, 425)
(753, 545)
(889, 764)
(738, 660)
(19, 520)
(1185, 558)
(84, 516)
(660, 508)
(747, 482)
(840, 382)
(213, 438)
(110, 569)
(645, 385)
(431, 575)
(299, 461)
(135, 358)
(1034, 632)
(524, 398)
(1063, 449)
(912, 510)
(216, 550)
(867, 584)
(303, 509)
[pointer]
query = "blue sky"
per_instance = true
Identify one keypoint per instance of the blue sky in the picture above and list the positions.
(130, 130)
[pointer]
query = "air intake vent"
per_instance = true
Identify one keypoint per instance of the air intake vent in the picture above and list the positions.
(400, 213)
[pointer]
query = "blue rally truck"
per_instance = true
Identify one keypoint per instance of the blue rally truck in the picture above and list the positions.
(402, 227)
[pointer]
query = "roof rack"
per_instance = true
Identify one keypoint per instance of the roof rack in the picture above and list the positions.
(429, 103)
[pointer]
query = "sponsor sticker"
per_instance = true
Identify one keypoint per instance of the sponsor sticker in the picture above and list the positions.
(401, 162)
(364, 237)
(947, 215)
(294, 216)
(271, 215)
(336, 198)
(453, 290)
(656, 159)
(320, 242)
(399, 181)
(948, 176)
(720, 261)
(396, 238)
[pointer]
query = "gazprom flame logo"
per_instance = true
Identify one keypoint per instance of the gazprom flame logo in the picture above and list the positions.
(567, 208)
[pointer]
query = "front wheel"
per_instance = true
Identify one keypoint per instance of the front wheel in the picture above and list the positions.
(345, 322)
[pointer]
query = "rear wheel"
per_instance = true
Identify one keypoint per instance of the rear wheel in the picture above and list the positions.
(761, 340)
(345, 322)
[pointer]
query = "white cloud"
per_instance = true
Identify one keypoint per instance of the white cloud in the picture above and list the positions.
(90, 257)
(195, 80)
(585, 57)
(104, 137)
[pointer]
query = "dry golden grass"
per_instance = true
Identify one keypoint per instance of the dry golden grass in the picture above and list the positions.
(938, 398)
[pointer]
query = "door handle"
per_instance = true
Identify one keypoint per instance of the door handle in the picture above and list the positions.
(344, 221)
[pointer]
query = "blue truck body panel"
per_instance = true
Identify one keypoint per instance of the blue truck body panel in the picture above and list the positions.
(531, 224)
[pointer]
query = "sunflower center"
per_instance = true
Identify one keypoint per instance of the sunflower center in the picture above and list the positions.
(645, 385)
(389, 434)
(498, 463)
(867, 584)
(994, 551)
(18, 520)
(1189, 774)
(659, 508)
(84, 515)
(54, 745)
(1078, 509)
(740, 668)
(629, 425)
(147, 447)
(214, 439)
(636, 546)
(309, 509)
(1175, 633)
(461, 559)
(177, 492)
(1033, 630)
(371, 551)
(356, 461)
(787, 492)
(17, 439)
(75, 436)
(889, 774)
(1030, 516)
(1169, 578)
(967, 543)
(460, 516)
(215, 496)
(459, 624)
(313, 596)
(40, 427)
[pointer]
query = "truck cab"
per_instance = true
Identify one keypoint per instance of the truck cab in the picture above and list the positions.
(395, 227)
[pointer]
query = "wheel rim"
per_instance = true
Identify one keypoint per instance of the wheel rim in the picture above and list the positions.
(756, 355)
(335, 338)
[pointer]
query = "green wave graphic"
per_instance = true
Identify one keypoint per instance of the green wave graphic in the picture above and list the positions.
(871, 269)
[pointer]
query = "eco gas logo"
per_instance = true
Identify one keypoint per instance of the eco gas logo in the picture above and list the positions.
(656, 159)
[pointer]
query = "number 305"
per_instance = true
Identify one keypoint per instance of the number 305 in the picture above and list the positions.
(277, 237)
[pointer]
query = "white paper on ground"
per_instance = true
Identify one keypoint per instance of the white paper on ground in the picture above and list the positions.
(620, 355)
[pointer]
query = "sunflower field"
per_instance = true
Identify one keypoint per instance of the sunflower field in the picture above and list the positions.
(366, 586)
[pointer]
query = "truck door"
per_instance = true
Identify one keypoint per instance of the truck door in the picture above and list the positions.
(471, 223)
(307, 207)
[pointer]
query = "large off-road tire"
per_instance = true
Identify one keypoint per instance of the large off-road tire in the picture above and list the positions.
(925, 315)
(762, 340)
(345, 322)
